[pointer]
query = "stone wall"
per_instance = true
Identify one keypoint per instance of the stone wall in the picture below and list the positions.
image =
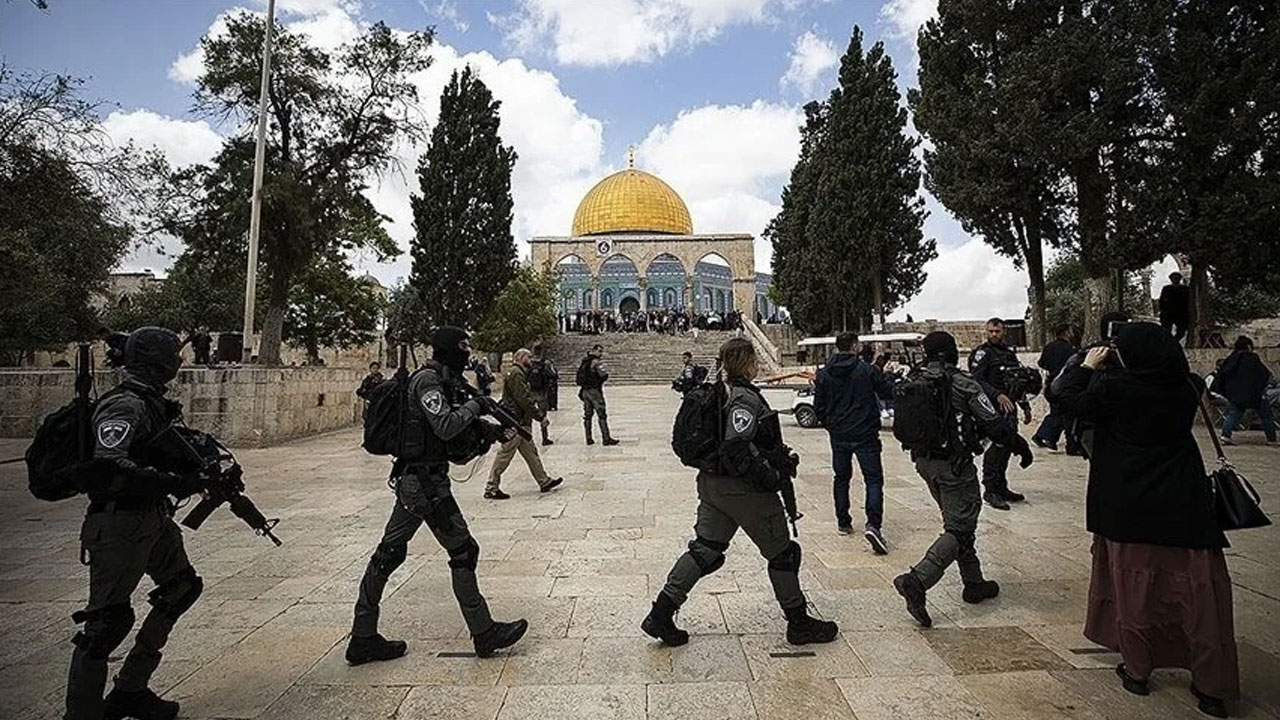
(245, 407)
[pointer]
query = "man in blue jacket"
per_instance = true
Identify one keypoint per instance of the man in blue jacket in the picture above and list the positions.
(845, 402)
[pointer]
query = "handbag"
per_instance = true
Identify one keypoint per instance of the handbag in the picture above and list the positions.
(1236, 505)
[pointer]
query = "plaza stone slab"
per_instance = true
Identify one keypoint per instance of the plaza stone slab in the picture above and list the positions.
(266, 640)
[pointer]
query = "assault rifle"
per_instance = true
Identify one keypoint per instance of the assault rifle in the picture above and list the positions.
(499, 413)
(786, 462)
(184, 450)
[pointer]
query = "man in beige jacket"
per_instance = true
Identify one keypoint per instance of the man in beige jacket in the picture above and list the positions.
(518, 399)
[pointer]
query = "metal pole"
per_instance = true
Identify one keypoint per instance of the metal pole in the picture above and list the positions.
(255, 208)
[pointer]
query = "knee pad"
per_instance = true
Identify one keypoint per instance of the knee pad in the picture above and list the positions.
(104, 629)
(176, 595)
(386, 558)
(708, 554)
(788, 560)
(465, 556)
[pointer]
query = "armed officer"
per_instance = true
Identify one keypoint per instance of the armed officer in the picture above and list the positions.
(591, 378)
(952, 478)
(754, 466)
(128, 532)
(443, 425)
(989, 364)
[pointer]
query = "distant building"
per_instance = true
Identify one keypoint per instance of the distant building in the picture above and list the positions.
(121, 286)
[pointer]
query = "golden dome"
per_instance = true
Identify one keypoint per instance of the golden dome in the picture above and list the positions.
(632, 201)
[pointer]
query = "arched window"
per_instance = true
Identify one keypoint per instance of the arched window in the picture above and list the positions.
(586, 299)
(606, 298)
(653, 297)
(669, 297)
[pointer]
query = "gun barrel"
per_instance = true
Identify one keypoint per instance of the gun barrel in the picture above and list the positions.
(243, 508)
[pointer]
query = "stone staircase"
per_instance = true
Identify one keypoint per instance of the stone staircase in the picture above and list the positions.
(635, 358)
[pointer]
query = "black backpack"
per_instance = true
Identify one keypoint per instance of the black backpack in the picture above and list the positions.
(61, 452)
(583, 377)
(922, 412)
(387, 416)
(537, 376)
(699, 426)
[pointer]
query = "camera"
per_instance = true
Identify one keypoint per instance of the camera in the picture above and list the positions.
(1021, 382)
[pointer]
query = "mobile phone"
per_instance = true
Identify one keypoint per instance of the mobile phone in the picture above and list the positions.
(1115, 326)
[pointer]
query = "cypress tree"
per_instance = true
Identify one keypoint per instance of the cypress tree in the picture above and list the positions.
(463, 251)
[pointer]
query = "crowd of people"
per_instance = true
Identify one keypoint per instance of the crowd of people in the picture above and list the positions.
(669, 321)
(1160, 592)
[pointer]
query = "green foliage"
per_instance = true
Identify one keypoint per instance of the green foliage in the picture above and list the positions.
(57, 245)
(849, 238)
(334, 120)
(1065, 302)
(523, 313)
(463, 247)
(330, 308)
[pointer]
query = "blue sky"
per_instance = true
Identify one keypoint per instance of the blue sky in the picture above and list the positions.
(708, 90)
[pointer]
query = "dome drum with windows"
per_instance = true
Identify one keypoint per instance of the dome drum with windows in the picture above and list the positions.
(632, 246)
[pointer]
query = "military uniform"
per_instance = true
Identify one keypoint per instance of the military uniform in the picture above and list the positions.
(129, 532)
(542, 395)
(986, 365)
(952, 480)
(591, 392)
(517, 398)
(448, 426)
(754, 467)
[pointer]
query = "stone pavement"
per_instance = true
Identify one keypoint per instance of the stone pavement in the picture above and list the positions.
(582, 564)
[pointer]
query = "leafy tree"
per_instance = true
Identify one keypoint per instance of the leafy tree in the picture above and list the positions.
(68, 197)
(1218, 69)
(58, 242)
(523, 313)
(1065, 302)
(979, 106)
(463, 247)
(194, 295)
(334, 120)
(849, 239)
(330, 308)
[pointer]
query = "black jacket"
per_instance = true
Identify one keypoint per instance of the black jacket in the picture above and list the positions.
(845, 398)
(1242, 379)
(1147, 480)
(1054, 357)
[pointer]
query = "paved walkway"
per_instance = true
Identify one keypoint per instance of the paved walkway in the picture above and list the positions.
(582, 564)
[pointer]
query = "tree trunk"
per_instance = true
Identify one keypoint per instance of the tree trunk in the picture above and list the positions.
(273, 326)
(1201, 316)
(1035, 274)
(878, 289)
(1098, 300)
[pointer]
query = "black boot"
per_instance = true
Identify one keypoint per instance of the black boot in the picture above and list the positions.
(1208, 704)
(141, 705)
(911, 590)
(803, 630)
(498, 636)
(976, 592)
(660, 622)
(374, 648)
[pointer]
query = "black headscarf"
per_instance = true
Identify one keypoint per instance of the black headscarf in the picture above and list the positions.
(445, 348)
(151, 356)
(1149, 352)
(1107, 319)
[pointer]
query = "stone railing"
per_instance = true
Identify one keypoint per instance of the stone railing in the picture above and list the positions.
(245, 407)
(765, 349)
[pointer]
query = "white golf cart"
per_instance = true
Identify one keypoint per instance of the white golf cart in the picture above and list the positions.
(816, 350)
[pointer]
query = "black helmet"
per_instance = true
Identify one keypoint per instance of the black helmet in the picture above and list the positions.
(940, 345)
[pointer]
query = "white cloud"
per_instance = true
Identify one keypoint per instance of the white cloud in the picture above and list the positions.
(904, 17)
(969, 282)
(729, 163)
(614, 32)
(811, 57)
(447, 10)
(183, 142)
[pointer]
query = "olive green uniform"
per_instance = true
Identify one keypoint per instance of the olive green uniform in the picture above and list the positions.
(521, 403)
(744, 494)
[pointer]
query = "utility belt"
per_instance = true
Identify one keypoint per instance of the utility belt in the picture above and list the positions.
(128, 504)
(420, 467)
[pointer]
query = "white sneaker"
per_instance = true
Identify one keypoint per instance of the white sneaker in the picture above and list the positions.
(1226, 440)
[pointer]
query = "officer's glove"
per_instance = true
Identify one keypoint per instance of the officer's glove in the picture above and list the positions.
(1023, 450)
(186, 485)
(494, 433)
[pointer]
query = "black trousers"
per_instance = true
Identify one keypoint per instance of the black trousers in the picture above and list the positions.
(424, 497)
(122, 546)
(995, 462)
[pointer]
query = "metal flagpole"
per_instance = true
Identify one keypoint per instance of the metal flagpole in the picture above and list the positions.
(255, 209)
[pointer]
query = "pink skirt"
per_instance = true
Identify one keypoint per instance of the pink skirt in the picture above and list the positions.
(1165, 607)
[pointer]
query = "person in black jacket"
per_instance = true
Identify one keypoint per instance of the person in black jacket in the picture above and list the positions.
(1243, 380)
(1159, 592)
(989, 364)
(1053, 358)
(129, 531)
(1175, 306)
(845, 401)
